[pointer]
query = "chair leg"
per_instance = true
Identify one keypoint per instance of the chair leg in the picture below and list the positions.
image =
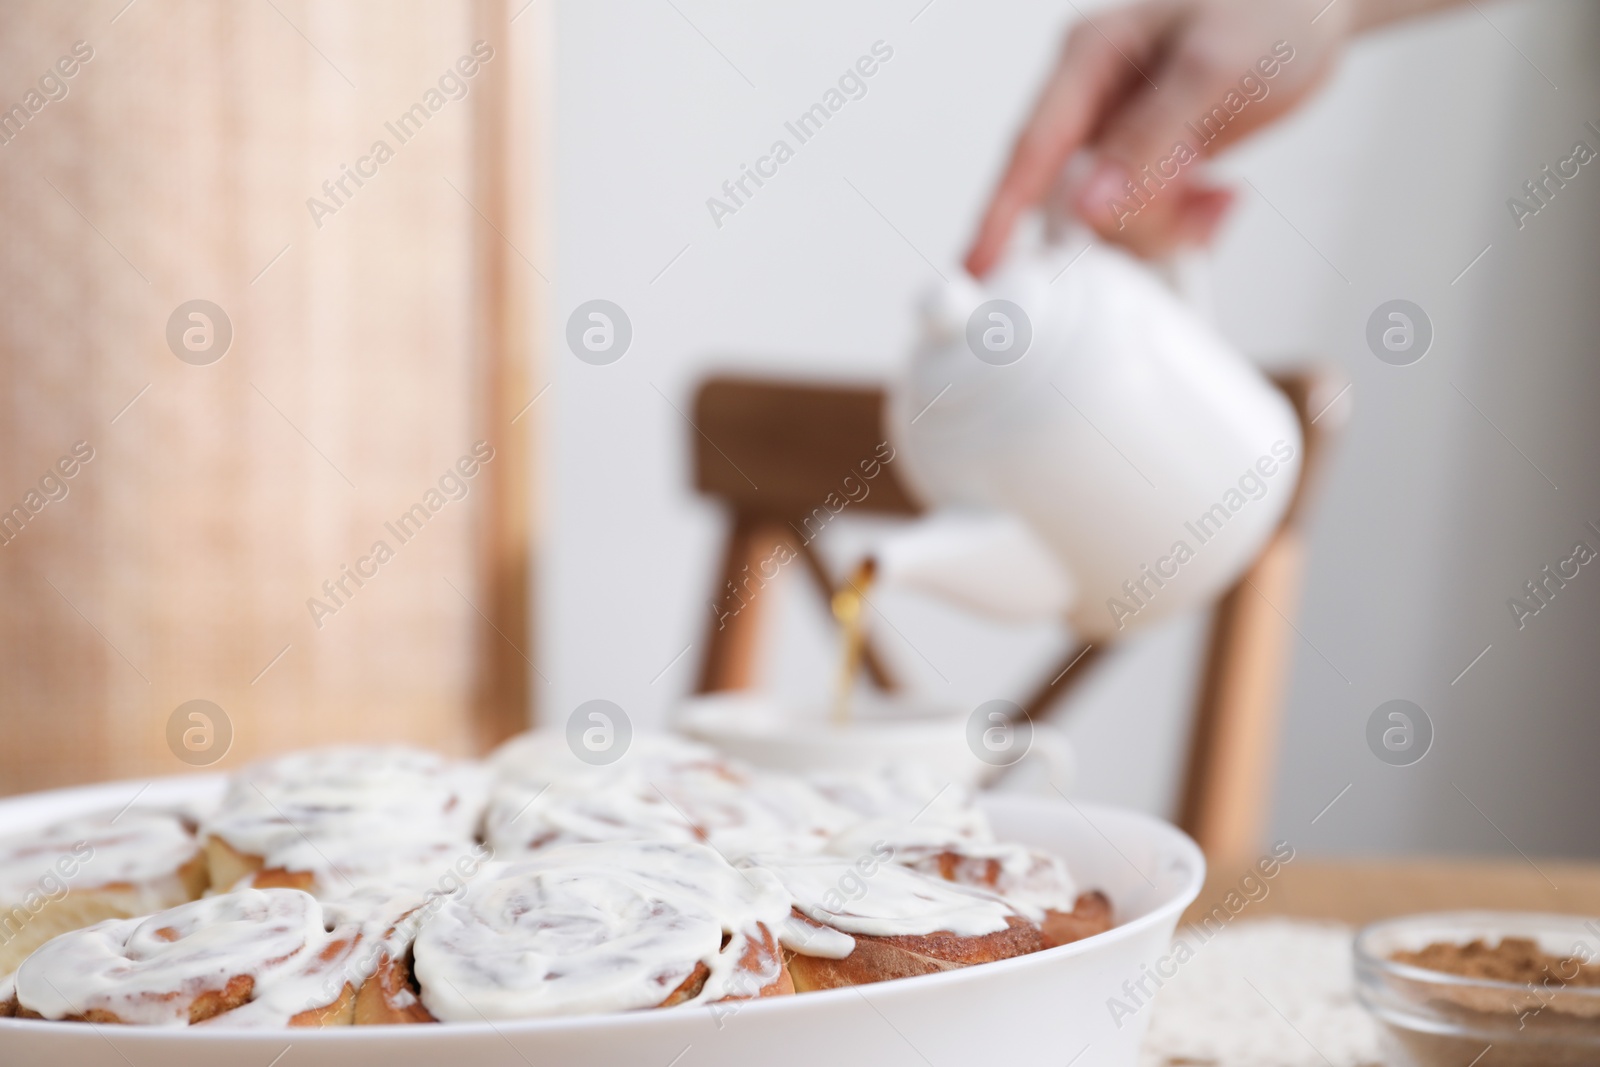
(1072, 669)
(1232, 752)
(734, 629)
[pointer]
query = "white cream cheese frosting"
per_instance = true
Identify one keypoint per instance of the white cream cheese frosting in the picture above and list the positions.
(732, 810)
(599, 927)
(137, 850)
(904, 805)
(880, 899)
(149, 971)
(1035, 882)
(354, 816)
(538, 757)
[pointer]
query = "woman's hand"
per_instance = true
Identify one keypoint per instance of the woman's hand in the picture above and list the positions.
(1150, 90)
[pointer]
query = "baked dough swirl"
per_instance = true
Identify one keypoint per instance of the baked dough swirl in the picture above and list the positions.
(99, 866)
(334, 820)
(873, 920)
(252, 957)
(602, 927)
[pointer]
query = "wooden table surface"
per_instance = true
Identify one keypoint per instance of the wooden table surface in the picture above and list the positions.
(1360, 891)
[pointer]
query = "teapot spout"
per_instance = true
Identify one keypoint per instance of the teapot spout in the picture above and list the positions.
(990, 563)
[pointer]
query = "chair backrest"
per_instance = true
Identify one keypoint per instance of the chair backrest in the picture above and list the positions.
(778, 449)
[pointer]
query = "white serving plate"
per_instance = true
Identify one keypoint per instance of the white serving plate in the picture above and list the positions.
(1049, 1008)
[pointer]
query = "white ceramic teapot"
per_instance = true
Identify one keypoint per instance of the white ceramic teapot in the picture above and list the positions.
(1076, 392)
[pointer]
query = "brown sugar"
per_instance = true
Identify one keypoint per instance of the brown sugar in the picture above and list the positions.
(1518, 960)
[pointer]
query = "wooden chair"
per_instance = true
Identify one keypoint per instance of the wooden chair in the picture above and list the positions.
(773, 452)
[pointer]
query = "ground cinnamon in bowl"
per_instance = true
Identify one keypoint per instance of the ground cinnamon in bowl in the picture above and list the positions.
(1484, 988)
(1519, 960)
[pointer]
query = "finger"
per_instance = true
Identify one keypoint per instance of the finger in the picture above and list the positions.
(1150, 124)
(1183, 215)
(1144, 148)
(1092, 76)
(1061, 121)
(1202, 212)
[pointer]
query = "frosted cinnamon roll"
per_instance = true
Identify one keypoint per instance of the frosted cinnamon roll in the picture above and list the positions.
(721, 804)
(332, 820)
(544, 795)
(524, 820)
(246, 958)
(938, 829)
(907, 809)
(1036, 882)
(664, 788)
(905, 804)
(872, 920)
(77, 872)
(379, 968)
(329, 868)
(387, 920)
(602, 927)
(539, 757)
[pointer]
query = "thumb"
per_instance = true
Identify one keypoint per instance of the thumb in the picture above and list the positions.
(1148, 147)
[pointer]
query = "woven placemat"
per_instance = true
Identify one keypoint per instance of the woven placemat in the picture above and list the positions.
(1265, 993)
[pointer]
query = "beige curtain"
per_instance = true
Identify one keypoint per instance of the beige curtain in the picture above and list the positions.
(379, 333)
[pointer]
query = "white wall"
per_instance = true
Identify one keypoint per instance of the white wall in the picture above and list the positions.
(1428, 522)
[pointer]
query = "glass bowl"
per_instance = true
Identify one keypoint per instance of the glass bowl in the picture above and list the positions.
(1436, 1019)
